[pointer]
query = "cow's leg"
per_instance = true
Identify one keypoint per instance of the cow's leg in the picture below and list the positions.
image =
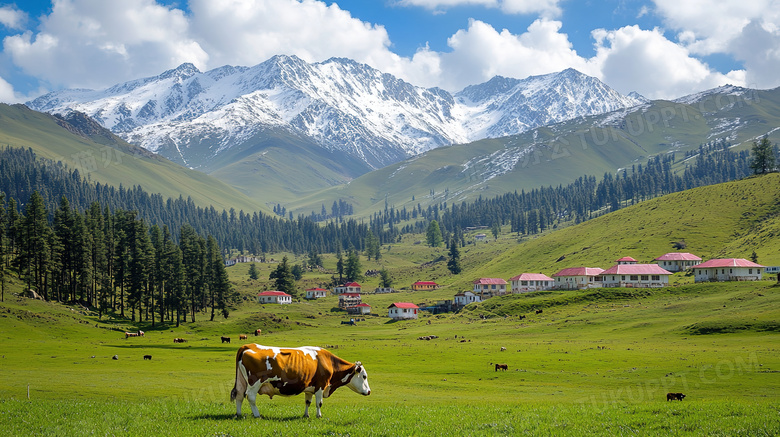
(318, 400)
(308, 402)
(251, 395)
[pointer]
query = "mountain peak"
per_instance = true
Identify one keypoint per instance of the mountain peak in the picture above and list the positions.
(183, 71)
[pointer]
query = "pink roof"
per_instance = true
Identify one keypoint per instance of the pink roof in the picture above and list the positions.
(351, 284)
(636, 269)
(273, 293)
(531, 277)
(626, 259)
(678, 256)
(490, 281)
(425, 283)
(580, 271)
(727, 262)
(403, 305)
(350, 294)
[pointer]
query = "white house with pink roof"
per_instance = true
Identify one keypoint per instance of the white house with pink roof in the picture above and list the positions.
(636, 276)
(402, 310)
(491, 286)
(528, 282)
(577, 278)
(626, 260)
(274, 296)
(677, 261)
(727, 269)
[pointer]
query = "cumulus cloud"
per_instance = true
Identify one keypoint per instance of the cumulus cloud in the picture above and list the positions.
(7, 94)
(546, 8)
(91, 43)
(12, 17)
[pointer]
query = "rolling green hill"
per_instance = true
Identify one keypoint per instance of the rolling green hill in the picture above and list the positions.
(560, 153)
(103, 157)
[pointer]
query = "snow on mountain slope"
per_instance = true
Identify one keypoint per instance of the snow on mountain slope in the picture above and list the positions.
(344, 106)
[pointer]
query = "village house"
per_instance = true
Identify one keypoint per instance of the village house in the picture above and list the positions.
(727, 269)
(578, 278)
(382, 290)
(480, 237)
(349, 299)
(464, 298)
(424, 286)
(402, 311)
(491, 286)
(359, 309)
(677, 261)
(636, 276)
(316, 293)
(528, 282)
(279, 297)
(349, 287)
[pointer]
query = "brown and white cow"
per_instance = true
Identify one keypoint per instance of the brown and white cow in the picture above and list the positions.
(309, 370)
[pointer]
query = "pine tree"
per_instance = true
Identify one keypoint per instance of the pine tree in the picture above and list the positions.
(385, 281)
(3, 227)
(253, 272)
(34, 249)
(352, 267)
(433, 234)
(283, 278)
(453, 265)
(762, 156)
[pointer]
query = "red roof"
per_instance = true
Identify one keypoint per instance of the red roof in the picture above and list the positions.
(490, 281)
(425, 283)
(531, 277)
(636, 269)
(351, 284)
(273, 293)
(678, 256)
(580, 271)
(403, 305)
(727, 262)
(626, 259)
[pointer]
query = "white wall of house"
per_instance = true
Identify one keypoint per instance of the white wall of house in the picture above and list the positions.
(635, 281)
(677, 265)
(402, 313)
(727, 274)
(466, 298)
(529, 286)
(577, 282)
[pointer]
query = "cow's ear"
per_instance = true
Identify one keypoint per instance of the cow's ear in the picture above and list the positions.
(358, 367)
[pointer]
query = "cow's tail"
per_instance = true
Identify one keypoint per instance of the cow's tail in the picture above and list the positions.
(240, 373)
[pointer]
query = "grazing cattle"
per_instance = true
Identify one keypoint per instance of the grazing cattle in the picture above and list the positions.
(674, 396)
(130, 334)
(309, 370)
(242, 337)
(140, 333)
(503, 348)
(225, 339)
(258, 332)
(115, 357)
(538, 311)
(179, 340)
(147, 357)
(501, 367)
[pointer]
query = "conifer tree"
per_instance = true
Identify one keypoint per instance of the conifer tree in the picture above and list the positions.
(453, 265)
(433, 234)
(283, 278)
(385, 281)
(762, 156)
(352, 267)
(253, 272)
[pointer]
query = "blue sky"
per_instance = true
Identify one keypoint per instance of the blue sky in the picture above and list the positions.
(659, 48)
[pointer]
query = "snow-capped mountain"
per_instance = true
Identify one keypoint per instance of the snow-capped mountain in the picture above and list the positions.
(192, 116)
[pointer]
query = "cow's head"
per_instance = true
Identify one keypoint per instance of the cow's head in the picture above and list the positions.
(359, 381)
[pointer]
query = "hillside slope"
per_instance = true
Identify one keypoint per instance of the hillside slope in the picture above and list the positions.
(105, 158)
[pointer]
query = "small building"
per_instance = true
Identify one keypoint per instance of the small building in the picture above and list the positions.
(316, 293)
(677, 261)
(636, 276)
(480, 237)
(349, 299)
(464, 298)
(626, 260)
(402, 311)
(279, 297)
(359, 309)
(578, 278)
(727, 269)
(424, 286)
(349, 287)
(493, 286)
(528, 282)
(382, 290)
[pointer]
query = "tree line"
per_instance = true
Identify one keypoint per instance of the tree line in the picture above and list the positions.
(112, 261)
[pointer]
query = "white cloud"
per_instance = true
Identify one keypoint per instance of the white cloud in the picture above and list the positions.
(7, 94)
(93, 43)
(545, 8)
(12, 17)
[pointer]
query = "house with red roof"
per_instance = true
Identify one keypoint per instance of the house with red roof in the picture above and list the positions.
(424, 286)
(578, 278)
(677, 261)
(359, 309)
(349, 287)
(527, 282)
(402, 311)
(273, 296)
(349, 299)
(626, 260)
(488, 287)
(727, 269)
(636, 276)
(316, 293)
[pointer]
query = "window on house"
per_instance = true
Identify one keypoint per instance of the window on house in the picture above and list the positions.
(634, 277)
(523, 282)
(656, 277)
(645, 277)
(750, 271)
